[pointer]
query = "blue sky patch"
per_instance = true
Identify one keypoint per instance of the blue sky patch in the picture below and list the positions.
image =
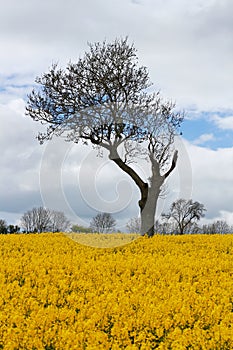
(203, 130)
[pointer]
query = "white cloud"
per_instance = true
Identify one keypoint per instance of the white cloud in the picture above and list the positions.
(202, 139)
(226, 216)
(187, 46)
(20, 157)
(212, 179)
(224, 123)
(223, 215)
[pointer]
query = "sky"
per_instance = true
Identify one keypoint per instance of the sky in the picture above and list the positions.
(187, 47)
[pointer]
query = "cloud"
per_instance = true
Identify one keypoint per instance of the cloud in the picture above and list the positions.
(226, 216)
(202, 139)
(15, 87)
(74, 179)
(212, 181)
(187, 47)
(20, 157)
(223, 215)
(224, 123)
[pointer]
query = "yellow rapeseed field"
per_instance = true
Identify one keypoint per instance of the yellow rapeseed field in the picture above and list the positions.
(103, 240)
(167, 292)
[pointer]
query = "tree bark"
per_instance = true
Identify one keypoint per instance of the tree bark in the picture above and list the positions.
(147, 220)
(149, 209)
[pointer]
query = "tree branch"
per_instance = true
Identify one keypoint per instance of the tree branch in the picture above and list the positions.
(143, 186)
(173, 165)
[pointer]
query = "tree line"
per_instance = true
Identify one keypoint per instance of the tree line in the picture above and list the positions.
(170, 228)
(38, 220)
(182, 218)
(5, 228)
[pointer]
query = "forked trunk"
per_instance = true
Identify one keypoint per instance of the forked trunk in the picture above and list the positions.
(149, 191)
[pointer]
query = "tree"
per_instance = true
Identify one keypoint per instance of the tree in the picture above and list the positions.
(13, 229)
(103, 222)
(103, 99)
(36, 220)
(134, 225)
(43, 219)
(185, 213)
(219, 226)
(166, 228)
(58, 221)
(81, 229)
(3, 226)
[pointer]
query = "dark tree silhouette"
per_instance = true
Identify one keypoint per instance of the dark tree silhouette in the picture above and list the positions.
(3, 226)
(103, 99)
(185, 213)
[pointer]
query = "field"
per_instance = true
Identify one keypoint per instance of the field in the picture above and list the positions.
(103, 240)
(167, 292)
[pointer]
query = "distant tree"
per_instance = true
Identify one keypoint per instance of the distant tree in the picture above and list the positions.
(219, 226)
(3, 226)
(81, 229)
(36, 220)
(103, 222)
(43, 219)
(103, 100)
(28, 221)
(184, 213)
(193, 228)
(207, 229)
(13, 229)
(166, 228)
(58, 221)
(134, 225)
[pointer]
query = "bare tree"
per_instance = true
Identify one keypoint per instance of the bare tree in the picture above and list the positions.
(103, 222)
(43, 219)
(28, 221)
(36, 220)
(58, 221)
(166, 228)
(185, 213)
(134, 225)
(103, 99)
(219, 226)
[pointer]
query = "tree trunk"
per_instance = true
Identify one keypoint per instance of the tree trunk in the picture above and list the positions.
(148, 210)
(147, 222)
